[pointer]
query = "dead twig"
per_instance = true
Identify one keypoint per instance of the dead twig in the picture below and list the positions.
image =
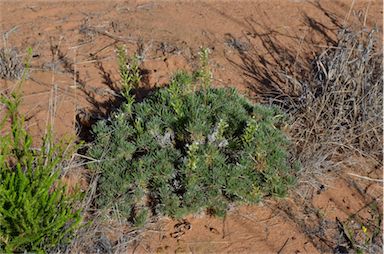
(366, 178)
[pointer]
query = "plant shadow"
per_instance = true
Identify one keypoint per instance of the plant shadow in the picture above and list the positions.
(274, 60)
(103, 101)
(103, 110)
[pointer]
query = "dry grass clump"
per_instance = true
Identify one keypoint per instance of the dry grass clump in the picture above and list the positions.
(11, 64)
(339, 110)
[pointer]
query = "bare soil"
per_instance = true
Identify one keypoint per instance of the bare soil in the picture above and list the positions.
(74, 82)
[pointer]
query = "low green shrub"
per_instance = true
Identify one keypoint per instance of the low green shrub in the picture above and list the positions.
(183, 150)
(35, 213)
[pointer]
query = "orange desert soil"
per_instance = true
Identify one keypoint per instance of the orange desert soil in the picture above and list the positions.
(74, 81)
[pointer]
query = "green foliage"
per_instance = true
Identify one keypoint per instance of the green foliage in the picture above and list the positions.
(204, 73)
(130, 76)
(35, 212)
(182, 151)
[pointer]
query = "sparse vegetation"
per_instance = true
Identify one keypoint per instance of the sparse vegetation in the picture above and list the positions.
(189, 147)
(363, 235)
(184, 150)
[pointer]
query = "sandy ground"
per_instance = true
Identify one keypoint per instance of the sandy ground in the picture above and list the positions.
(74, 81)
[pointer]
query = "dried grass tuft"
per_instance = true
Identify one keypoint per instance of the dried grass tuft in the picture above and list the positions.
(339, 110)
(11, 64)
